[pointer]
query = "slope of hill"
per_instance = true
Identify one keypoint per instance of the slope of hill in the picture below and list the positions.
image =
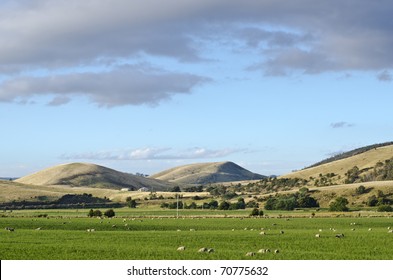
(350, 153)
(205, 173)
(364, 161)
(91, 175)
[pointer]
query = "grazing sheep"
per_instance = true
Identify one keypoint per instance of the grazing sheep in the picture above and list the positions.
(340, 235)
(263, 251)
(318, 235)
(38, 228)
(262, 233)
(113, 226)
(390, 231)
(181, 248)
(250, 254)
(202, 250)
(210, 250)
(9, 229)
(352, 229)
(281, 232)
(178, 230)
(388, 227)
(276, 251)
(320, 230)
(370, 229)
(192, 229)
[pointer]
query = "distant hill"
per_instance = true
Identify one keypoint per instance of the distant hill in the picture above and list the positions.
(350, 153)
(91, 175)
(206, 173)
(365, 159)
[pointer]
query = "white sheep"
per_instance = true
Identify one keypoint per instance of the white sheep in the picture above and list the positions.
(318, 235)
(250, 254)
(181, 248)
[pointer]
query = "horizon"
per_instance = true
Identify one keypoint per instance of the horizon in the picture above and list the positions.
(269, 85)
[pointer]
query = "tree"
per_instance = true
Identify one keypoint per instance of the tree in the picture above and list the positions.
(109, 213)
(91, 213)
(361, 190)
(176, 189)
(256, 212)
(224, 205)
(131, 202)
(339, 205)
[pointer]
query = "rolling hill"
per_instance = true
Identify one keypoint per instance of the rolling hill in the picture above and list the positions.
(91, 175)
(207, 173)
(365, 161)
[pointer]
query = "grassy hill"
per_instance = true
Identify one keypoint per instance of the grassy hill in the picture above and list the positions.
(206, 173)
(90, 175)
(365, 161)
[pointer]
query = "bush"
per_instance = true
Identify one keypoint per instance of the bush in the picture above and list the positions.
(109, 213)
(361, 190)
(256, 212)
(385, 208)
(339, 205)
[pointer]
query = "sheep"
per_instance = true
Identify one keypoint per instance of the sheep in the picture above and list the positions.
(340, 235)
(262, 233)
(276, 251)
(113, 226)
(281, 232)
(263, 251)
(192, 229)
(210, 250)
(38, 228)
(320, 230)
(318, 235)
(352, 229)
(181, 248)
(202, 250)
(250, 254)
(370, 229)
(10, 229)
(390, 231)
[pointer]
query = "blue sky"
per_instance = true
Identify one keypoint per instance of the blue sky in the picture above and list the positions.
(142, 87)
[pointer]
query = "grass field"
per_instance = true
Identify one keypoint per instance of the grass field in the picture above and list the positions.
(64, 236)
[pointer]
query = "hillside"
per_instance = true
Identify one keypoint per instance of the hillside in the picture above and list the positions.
(365, 161)
(90, 175)
(206, 173)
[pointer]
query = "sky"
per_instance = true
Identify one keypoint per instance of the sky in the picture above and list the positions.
(142, 86)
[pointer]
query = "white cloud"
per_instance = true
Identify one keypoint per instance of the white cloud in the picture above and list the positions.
(132, 84)
(151, 153)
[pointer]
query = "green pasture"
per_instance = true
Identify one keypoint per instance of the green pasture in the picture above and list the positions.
(63, 235)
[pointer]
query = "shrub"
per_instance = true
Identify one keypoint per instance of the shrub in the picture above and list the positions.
(339, 205)
(256, 212)
(109, 213)
(385, 208)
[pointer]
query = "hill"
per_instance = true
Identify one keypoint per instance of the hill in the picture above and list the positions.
(335, 171)
(91, 175)
(207, 173)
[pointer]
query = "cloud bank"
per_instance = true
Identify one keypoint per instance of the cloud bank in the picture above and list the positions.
(151, 153)
(286, 36)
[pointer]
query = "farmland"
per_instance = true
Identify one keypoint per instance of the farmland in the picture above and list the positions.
(156, 234)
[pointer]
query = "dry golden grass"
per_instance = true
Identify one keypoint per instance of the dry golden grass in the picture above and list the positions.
(340, 167)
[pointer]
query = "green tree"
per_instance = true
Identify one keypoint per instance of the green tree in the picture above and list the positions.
(339, 205)
(360, 190)
(109, 213)
(224, 205)
(176, 189)
(131, 202)
(256, 212)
